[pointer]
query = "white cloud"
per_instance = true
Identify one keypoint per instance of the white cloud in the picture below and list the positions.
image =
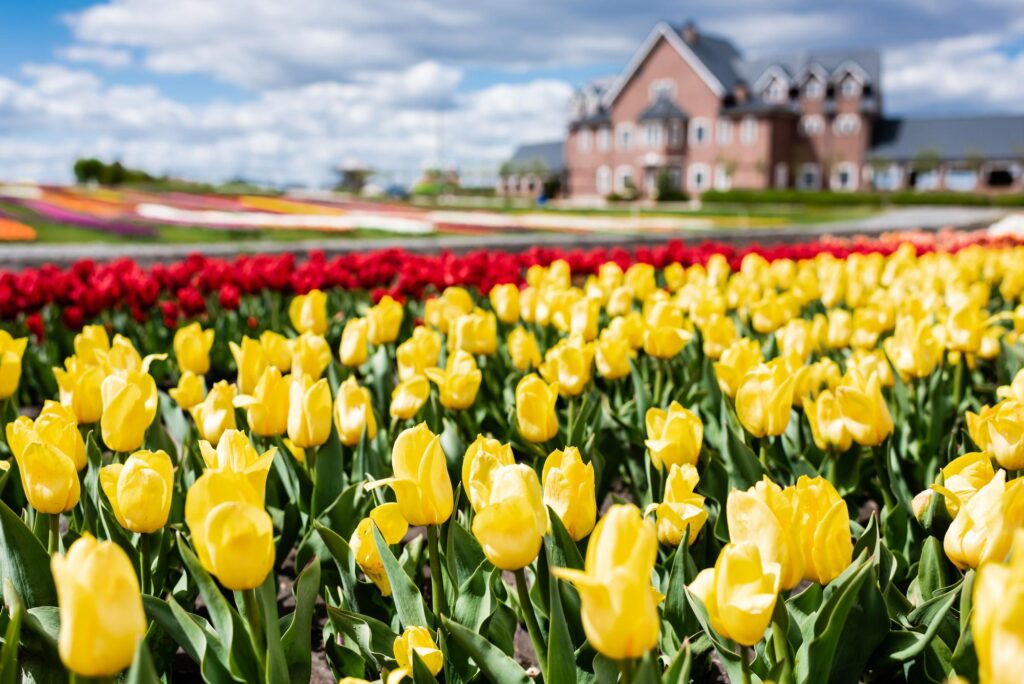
(110, 58)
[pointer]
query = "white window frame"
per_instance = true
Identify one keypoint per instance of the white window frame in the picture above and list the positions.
(624, 136)
(697, 171)
(851, 173)
(659, 86)
(700, 132)
(846, 124)
(850, 87)
(723, 132)
(815, 171)
(584, 140)
(623, 172)
(604, 139)
(777, 90)
(723, 177)
(603, 180)
(748, 130)
(818, 91)
(654, 134)
(780, 177)
(811, 125)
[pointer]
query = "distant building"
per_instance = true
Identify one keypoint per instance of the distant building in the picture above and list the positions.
(534, 170)
(690, 113)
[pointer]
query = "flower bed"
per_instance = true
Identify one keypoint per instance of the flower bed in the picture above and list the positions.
(788, 463)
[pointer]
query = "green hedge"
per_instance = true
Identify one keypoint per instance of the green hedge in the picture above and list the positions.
(824, 197)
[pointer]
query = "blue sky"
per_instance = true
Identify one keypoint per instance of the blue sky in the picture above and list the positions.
(264, 89)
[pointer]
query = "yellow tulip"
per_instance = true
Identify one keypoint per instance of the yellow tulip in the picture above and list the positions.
(569, 491)
(620, 301)
(101, 615)
(682, 509)
(124, 357)
(476, 333)
(619, 607)
(794, 339)
(483, 457)
(79, 384)
(129, 407)
(535, 409)
(420, 481)
(609, 275)
(765, 398)
(824, 529)
(267, 407)
(354, 337)
(630, 326)
(409, 396)
(54, 425)
(811, 379)
(864, 409)
(251, 360)
(522, 349)
(353, 413)
(440, 312)
(190, 391)
(459, 382)
(308, 312)
(311, 355)
(417, 640)
(569, 364)
(964, 328)
(505, 302)
(216, 413)
(511, 522)
(719, 334)
(236, 453)
(140, 490)
(192, 348)
(999, 430)
(640, 279)
(736, 361)
(384, 320)
(232, 533)
(298, 454)
(983, 528)
(913, 348)
(585, 315)
(998, 603)
(49, 475)
(11, 352)
(393, 527)
(739, 593)
(1015, 390)
(963, 477)
(612, 355)
(309, 411)
(419, 352)
(674, 437)
(92, 344)
(665, 341)
(828, 424)
(278, 349)
(767, 516)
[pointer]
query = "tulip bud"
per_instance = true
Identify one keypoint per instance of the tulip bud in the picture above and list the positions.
(192, 348)
(483, 457)
(612, 356)
(569, 491)
(736, 361)
(535, 409)
(674, 437)
(682, 510)
(101, 615)
(11, 352)
(739, 593)
(419, 352)
(140, 490)
(609, 275)
(216, 413)
(765, 398)
(665, 341)
(251, 360)
(79, 385)
(54, 425)
(384, 320)
(421, 482)
(719, 334)
(92, 344)
(417, 640)
(767, 516)
(824, 529)
(237, 454)
(640, 279)
(267, 407)
(278, 349)
(864, 409)
(190, 390)
(232, 534)
(476, 333)
(309, 411)
(393, 528)
(311, 355)
(353, 350)
(585, 316)
(569, 364)
(828, 425)
(505, 302)
(522, 349)
(308, 312)
(49, 475)
(810, 380)
(129, 407)
(511, 522)
(353, 413)
(409, 396)
(913, 348)
(459, 383)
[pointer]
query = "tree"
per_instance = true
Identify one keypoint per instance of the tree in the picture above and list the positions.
(926, 161)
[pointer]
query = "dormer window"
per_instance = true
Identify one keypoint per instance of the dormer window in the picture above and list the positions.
(778, 91)
(850, 87)
(814, 89)
(663, 88)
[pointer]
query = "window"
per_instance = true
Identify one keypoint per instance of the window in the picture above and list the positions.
(850, 87)
(781, 175)
(624, 133)
(723, 177)
(699, 179)
(748, 130)
(675, 136)
(811, 125)
(584, 140)
(887, 177)
(604, 180)
(662, 87)
(699, 132)
(724, 131)
(675, 177)
(604, 139)
(815, 89)
(654, 134)
(810, 177)
(512, 183)
(844, 176)
(778, 91)
(963, 180)
(624, 179)
(846, 124)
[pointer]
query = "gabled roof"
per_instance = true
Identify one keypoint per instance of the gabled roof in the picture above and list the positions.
(550, 155)
(952, 138)
(663, 109)
(866, 64)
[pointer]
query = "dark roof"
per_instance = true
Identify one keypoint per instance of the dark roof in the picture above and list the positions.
(663, 109)
(601, 116)
(550, 154)
(759, 107)
(797, 65)
(718, 54)
(953, 138)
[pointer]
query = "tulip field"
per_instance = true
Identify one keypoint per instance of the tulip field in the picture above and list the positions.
(795, 464)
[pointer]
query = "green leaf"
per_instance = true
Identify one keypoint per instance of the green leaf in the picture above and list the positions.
(561, 663)
(932, 614)
(298, 637)
(194, 635)
(559, 545)
(677, 610)
(493, 663)
(475, 601)
(376, 641)
(745, 470)
(408, 601)
(420, 672)
(9, 673)
(932, 571)
(142, 670)
(330, 474)
(24, 561)
(277, 666)
(729, 658)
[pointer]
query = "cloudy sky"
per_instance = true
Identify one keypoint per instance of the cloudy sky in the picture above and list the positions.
(282, 91)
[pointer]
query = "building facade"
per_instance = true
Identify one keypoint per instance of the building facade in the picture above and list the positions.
(690, 114)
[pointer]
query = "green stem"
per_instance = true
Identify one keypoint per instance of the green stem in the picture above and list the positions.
(781, 646)
(436, 581)
(530, 618)
(144, 564)
(958, 383)
(570, 417)
(745, 665)
(883, 475)
(252, 613)
(54, 541)
(627, 669)
(659, 381)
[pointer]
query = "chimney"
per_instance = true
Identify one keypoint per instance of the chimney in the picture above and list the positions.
(690, 34)
(740, 92)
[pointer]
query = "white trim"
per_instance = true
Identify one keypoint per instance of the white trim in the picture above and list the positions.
(846, 124)
(811, 125)
(620, 128)
(723, 177)
(804, 168)
(748, 123)
(692, 170)
(621, 172)
(723, 131)
(584, 140)
(853, 69)
(603, 179)
(700, 122)
(852, 173)
(805, 89)
(813, 69)
(775, 71)
(663, 30)
(603, 139)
